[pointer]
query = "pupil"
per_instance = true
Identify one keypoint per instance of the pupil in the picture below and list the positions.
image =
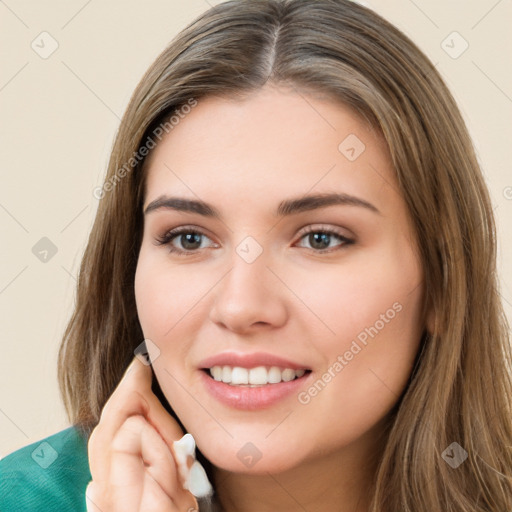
(323, 238)
(189, 237)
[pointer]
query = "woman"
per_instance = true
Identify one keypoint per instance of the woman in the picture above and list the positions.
(331, 341)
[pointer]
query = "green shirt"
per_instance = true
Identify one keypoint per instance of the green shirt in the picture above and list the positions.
(52, 475)
(48, 475)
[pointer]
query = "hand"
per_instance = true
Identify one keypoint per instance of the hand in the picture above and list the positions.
(130, 451)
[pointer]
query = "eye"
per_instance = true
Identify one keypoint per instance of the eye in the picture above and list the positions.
(190, 238)
(321, 238)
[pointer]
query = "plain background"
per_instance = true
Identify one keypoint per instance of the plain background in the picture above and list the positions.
(59, 114)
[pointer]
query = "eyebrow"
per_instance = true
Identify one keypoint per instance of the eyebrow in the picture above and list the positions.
(287, 207)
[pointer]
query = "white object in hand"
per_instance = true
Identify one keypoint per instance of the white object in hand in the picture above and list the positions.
(195, 478)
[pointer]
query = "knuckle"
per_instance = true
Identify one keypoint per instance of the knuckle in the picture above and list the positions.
(118, 404)
(135, 423)
(130, 429)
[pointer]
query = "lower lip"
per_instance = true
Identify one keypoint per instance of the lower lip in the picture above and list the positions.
(261, 397)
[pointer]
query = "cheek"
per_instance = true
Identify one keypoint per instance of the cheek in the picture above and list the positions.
(378, 290)
(164, 295)
(367, 361)
(374, 312)
(370, 330)
(151, 303)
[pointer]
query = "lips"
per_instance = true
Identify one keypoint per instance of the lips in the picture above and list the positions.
(250, 361)
(252, 397)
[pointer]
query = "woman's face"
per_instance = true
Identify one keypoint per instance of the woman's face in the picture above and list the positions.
(333, 288)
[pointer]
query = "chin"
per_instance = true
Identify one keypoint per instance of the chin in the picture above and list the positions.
(246, 457)
(275, 463)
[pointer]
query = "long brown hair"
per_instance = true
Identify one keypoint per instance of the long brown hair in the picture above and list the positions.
(460, 390)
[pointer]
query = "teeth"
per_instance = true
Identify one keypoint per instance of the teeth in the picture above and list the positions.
(240, 376)
(274, 375)
(226, 374)
(288, 375)
(259, 376)
(216, 372)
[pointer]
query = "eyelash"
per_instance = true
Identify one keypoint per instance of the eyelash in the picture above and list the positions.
(173, 233)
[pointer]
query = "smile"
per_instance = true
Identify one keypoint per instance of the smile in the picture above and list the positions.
(252, 377)
(250, 397)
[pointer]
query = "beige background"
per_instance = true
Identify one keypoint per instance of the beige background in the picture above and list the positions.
(58, 118)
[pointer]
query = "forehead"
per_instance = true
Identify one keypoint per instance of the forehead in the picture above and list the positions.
(275, 142)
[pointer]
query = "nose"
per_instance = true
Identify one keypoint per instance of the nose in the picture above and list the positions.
(250, 297)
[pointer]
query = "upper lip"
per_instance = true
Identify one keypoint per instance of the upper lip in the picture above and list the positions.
(249, 361)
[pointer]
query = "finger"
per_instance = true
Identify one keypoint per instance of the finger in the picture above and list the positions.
(156, 413)
(132, 396)
(161, 467)
(138, 440)
(93, 498)
(123, 402)
(141, 459)
(155, 499)
(128, 398)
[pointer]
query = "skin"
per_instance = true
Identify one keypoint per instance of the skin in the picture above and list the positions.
(131, 452)
(294, 301)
